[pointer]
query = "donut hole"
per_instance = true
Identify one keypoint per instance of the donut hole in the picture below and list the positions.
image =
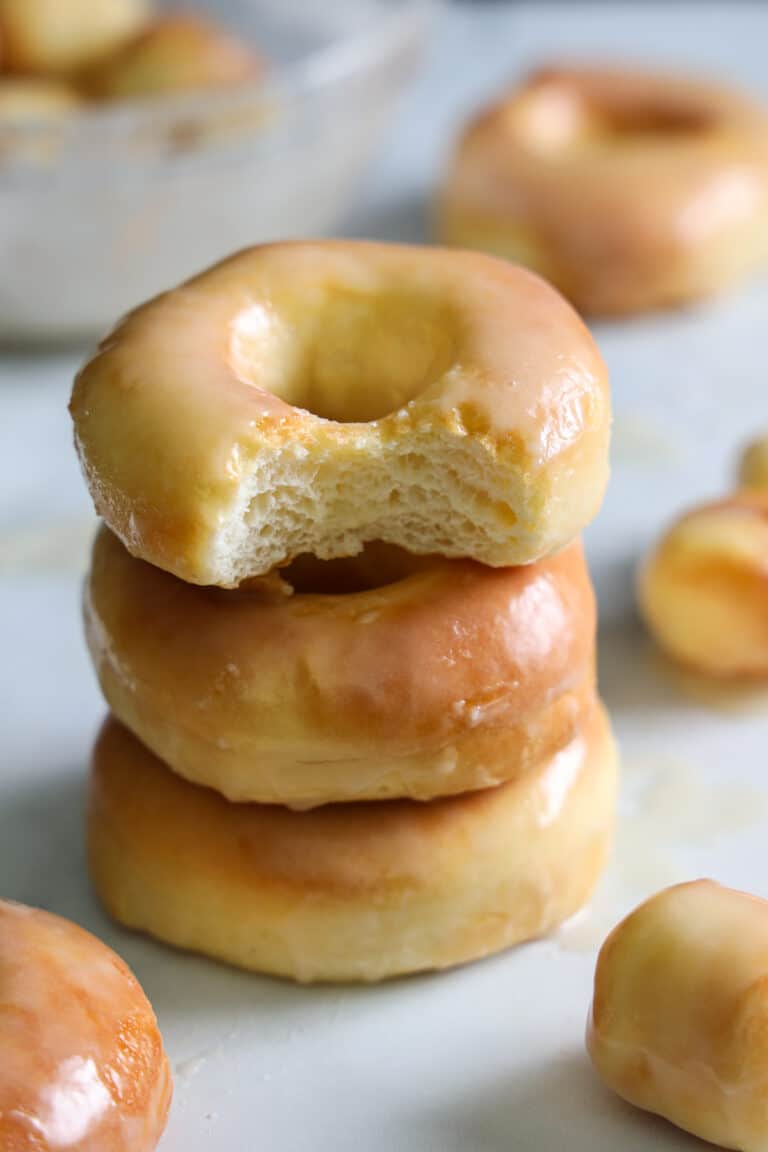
(377, 566)
(555, 116)
(657, 120)
(345, 354)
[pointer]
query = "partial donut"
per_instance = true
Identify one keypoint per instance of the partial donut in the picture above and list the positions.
(627, 189)
(679, 1021)
(309, 397)
(62, 36)
(82, 1065)
(351, 891)
(175, 53)
(753, 465)
(28, 100)
(381, 676)
(703, 590)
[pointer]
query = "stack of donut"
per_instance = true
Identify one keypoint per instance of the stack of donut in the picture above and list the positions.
(340, 613)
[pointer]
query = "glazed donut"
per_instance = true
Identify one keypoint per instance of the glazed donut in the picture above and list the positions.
(628, 190)
(173, 54)
(308, 397)
(753, 466)
(350, 891)
(27, 100)
(452, 677)
(62, 36)
(703, 590)
(679, 1020)
(82, 1065)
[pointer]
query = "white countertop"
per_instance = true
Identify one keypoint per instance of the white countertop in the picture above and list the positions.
(489, 1058)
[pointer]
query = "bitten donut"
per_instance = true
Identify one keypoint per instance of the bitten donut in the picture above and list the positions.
(174, 53)
(62, 36)
(308, 397)
(82, 1065)
(402, 676)
(629, 190)
(703, 590)
(350, 891)
(679, 1021)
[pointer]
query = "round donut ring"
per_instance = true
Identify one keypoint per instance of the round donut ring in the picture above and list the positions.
(703, 590)
(628, 190)
(82, 1065)
(451, 677)
(309, 397)
(350, 891)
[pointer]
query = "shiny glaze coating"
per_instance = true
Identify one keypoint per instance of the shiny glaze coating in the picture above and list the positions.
(703, 589)
(350, 891)
(82, 1066)
(627, 189)
(438, 374)
(62, 36)
(452, 677)
(175, 53)
(679, 1021)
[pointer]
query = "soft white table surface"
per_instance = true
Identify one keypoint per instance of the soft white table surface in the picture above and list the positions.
(488, 1058)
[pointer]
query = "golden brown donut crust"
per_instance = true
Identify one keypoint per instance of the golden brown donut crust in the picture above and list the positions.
(309, 397)
(628, 189)
(454, 677)
(82, 1065)
(352, 891)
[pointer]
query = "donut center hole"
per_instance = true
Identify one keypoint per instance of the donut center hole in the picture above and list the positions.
(345, 354)
(377, 566)
(657, 120)
(556, 117)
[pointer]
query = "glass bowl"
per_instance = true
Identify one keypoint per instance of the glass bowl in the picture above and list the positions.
(102, 210)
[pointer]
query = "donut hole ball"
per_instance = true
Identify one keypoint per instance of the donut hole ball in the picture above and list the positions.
(703, 590)
(753, 465)
(56, 37)
(679, 1020)
(177, 53)
(82, 1064)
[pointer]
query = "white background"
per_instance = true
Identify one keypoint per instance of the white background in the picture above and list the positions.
(489, 1058)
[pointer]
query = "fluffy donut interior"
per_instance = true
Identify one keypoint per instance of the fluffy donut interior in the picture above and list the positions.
(447, 500)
